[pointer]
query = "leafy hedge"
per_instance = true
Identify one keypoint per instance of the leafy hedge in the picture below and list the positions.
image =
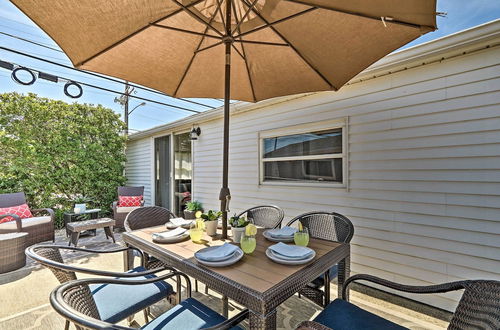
(55, 151)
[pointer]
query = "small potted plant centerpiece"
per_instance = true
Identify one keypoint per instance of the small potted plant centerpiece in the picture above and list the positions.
(211, 219)
(81, 204)
(191, 208)
(238, 225)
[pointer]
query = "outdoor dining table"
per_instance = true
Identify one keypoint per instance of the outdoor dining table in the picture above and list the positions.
(255, 281)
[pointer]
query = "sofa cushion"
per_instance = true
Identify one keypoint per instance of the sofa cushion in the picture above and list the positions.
(127, 201)
(189, 314)
(115, 301)
(342, 315)
(120, 209)
(22, 211)
(9, 227)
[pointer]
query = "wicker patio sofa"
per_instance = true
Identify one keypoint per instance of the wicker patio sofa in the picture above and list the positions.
(40, 228)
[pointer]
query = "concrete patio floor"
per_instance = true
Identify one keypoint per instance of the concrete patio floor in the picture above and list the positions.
(24, 296)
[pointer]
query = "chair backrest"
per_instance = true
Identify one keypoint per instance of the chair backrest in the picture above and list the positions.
(479, 307)
(41, 254)
(77, 297)
(131, 191)
(329, 226)
(267, 216)
(13, 199)
(148, 216)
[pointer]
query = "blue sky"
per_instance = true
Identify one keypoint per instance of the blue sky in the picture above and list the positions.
(461, 14)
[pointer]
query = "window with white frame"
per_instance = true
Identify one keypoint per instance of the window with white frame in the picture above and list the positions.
(309, 154)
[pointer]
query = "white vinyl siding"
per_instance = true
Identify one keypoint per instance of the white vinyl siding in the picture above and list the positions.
(138, 167)
(423, 162)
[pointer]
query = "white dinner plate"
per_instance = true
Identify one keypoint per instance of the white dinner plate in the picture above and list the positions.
(275, 239)
(173, 239)
(237, 255)
(274, 257)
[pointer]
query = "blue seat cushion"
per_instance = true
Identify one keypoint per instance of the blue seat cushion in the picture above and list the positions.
(188, 315)
(320, 280)
(117, 301)
(342, 315)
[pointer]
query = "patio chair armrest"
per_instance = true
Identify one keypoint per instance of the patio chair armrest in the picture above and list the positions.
(437, 288)
(229, 323)
(18, 220)
(31, 252)
(48, 210)
(311, 325)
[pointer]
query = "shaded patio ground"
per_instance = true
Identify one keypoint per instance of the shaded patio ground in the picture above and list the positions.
(24, 295)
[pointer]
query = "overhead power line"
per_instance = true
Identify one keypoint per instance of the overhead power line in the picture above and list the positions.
(111, 90)
(97, 75)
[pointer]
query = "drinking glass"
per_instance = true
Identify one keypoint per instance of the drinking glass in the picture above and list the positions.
(196, 230)
(248, 243)
(301, 237)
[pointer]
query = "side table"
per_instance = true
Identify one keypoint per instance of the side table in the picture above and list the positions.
(12, 255)
(75, 228)
(82, 216)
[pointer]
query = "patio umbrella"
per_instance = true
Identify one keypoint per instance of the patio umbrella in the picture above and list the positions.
(247, 50)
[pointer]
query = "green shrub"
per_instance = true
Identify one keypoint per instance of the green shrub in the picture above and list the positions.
(55, 152)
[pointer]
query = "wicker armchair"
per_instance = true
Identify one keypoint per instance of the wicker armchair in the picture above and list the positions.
(120, 213)
(74, 302)
(267, 216)
(39, 228)
(479, 307)
(144, 217)
(329, 226)
(131, 299)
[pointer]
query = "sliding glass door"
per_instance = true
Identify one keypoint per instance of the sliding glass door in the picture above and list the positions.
(182, 172)
(162, 171)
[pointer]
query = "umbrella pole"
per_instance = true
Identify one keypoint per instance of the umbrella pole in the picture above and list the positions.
(225, 195)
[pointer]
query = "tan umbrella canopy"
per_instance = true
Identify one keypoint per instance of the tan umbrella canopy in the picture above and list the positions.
(248, 50)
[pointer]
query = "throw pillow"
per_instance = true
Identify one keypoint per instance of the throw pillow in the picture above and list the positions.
(22, 211)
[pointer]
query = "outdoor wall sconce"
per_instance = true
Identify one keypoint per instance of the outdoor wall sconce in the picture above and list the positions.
(195, 132)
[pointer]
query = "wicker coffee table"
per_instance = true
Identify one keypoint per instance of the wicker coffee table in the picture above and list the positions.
(12, 255)
(75, 228)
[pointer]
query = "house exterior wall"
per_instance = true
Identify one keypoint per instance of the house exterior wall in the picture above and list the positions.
(139, 166)
(423, 189)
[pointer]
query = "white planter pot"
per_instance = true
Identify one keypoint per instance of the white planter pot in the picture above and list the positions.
(80, 208)
(237, 233)
(211, 227)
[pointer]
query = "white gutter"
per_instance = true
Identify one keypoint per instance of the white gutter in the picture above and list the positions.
(463, 42)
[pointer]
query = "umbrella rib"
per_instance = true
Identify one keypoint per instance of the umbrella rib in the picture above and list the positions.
(262, 43)
(133, 34)
(362, 15)
(208, 47)
(237, 28)
(195, 52)
(275, 22)
(293, 48)
(244, 53)
(219, 5)
(196, 17)
(186, 31)
(239, 53)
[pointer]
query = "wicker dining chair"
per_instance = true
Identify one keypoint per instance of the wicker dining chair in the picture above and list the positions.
(329, 226)
(479, 307)
(267, 216)
(129, 300)
(148, 216)
(74, 302)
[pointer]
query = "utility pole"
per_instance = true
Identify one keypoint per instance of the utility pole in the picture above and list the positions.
(123, 100)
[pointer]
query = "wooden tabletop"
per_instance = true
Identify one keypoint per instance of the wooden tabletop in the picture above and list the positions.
(255, 271)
